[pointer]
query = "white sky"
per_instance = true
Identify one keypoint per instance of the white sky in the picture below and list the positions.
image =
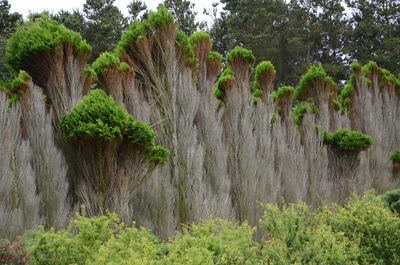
(53, 6)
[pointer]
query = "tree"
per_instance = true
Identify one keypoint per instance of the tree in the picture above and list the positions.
(8, 24)
(74, 20)
(184, 14)
(105, 25)
(135, 8)
(374, 34)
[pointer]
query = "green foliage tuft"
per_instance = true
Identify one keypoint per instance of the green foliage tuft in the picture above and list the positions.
(197, 37)
(355, 67)
(214, 56)
(105, 61)
(285, 90)
(226, 76)
(263, 67)
(314, 74)
(16, 86)
(345, 97)
(348, 140)
(298, 113)
(396, 156)
(90, 73)
(242, 53)
(42, 35)
(160, 17)
(97, 115)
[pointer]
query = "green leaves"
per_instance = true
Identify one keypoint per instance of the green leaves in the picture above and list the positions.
(348, 140)
(42, 35)
(240, 53)
(97, 115)
(396, 156)
(314, 74)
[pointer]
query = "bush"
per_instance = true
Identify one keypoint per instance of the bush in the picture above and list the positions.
(391, 199)
(348, 140)
(15, 254)
(42, 35)
(362, 231)
(314, 74)
(396, 156)
(97, 115)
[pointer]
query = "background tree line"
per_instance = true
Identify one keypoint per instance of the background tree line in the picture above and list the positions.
(291, 34)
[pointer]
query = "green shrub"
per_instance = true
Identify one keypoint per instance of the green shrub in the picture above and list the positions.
(97, 115)
(42, 35)
(298, 236)
(214, 56)
(213, 242)
(348, 140)
(242, 53)
(139, 30)
(314, 74)
(105, 61)
(298, 113)
(396, 156)
(197, 37)
(226, 78)
(282, 91)
(391, 199)
(368, 223)
(17, 85)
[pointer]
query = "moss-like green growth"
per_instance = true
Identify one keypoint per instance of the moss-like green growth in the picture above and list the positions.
(314, 74)
(346, 96)
(396, 156)
(214, 56)
(139, 30)
(90, 73)
(273, 119)
(160, 17)
(16, 86)
(298, 113)
(242, 53)
(42, 35)
(97, 115)
(197, 37)
(336, 105)
(226, 79)
(107, 60)
(355, 67)
(282, 91)
(385, 75)
(263, 68)
(348, 140)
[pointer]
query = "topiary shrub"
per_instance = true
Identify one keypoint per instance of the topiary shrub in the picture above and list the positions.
(347, 140)
(97, 115)
(42, 35)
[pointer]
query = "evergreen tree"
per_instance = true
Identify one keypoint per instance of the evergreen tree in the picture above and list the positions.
(105, 25)
(8, 24)
(135, 8)
(184, 14)
(374, 34)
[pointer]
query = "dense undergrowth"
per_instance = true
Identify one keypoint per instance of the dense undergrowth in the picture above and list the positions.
(363, 231)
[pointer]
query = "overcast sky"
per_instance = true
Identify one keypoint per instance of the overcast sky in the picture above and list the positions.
(26, 6)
